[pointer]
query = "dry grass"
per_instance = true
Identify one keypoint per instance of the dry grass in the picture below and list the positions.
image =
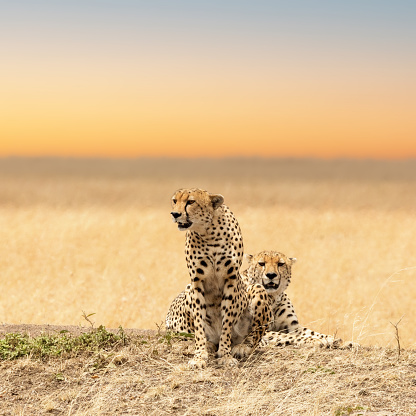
(95, 236)
(149, 376)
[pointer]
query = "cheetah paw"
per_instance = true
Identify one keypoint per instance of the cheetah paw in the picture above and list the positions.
(350, 345)
(241, 351)
(337, 343)
(197, 362)
(227, 361)
(211, 348)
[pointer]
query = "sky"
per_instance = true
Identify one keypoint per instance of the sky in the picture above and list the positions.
(218, 78)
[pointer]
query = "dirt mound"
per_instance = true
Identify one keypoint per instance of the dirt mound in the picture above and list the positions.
(36, 330)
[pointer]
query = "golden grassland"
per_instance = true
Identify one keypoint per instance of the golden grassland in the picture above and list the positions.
(96, 236)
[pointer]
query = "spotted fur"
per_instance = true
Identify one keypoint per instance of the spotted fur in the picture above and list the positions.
(217, 306)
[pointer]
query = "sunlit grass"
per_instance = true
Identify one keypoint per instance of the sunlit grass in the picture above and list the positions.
(104, 243)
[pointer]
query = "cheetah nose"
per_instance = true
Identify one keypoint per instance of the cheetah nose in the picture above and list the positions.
(175, 214)
(271, 275)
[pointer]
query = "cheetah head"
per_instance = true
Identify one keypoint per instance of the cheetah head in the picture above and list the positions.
(194, 208)
(271, 269)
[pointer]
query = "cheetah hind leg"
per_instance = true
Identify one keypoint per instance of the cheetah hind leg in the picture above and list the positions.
(260, 311)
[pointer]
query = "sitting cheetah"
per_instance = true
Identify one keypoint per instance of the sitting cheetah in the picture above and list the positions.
(217, 306)
(273, 270)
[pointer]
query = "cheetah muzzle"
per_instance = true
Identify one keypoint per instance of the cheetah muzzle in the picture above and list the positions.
(183, 224)
(271, 286)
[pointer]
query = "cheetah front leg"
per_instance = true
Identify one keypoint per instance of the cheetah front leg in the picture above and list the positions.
(199, 314)
(224, 350)
(232, 306)
(260, 312)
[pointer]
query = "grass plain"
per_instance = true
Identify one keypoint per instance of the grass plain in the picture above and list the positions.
(96, 236)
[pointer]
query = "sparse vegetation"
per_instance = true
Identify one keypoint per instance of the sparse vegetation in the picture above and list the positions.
(348, 410)
(17, 345)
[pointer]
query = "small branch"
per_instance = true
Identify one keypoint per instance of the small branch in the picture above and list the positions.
(396, 326)
(87, 318)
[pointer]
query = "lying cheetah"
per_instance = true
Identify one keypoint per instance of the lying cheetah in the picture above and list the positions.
(217, 306)
(273, 270)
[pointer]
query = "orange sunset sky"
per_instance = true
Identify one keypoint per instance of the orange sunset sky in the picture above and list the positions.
(208, 78)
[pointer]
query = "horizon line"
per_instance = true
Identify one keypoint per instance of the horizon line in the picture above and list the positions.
(213, 158)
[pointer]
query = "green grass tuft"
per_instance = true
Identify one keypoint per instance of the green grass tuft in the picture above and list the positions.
(15, 345)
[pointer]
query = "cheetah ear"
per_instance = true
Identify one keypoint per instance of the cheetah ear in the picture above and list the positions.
(248, 257)
(216, 200)
(293, 259)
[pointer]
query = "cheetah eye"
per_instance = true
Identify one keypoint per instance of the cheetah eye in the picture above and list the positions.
(174, 201)
(280, 264)
(190, 202)
(261, 263)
